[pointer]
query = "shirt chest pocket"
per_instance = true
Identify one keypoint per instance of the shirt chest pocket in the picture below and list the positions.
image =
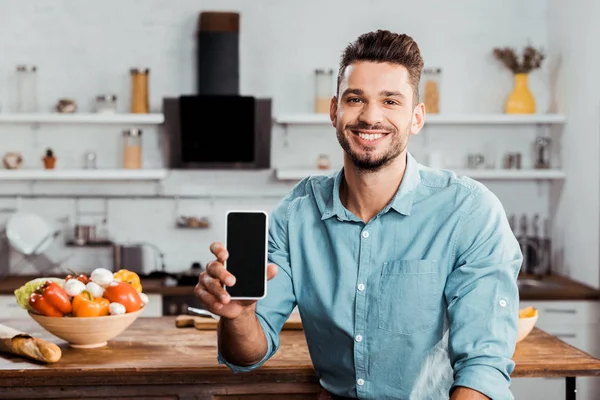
(409, 297)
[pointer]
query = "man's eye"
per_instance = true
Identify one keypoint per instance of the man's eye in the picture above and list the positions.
(354, 100)
(391, 102)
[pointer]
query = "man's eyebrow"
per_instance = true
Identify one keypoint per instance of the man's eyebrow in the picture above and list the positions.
(384, 93)
(387, 93)
(357, 92)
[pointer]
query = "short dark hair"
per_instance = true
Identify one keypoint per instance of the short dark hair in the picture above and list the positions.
(385, 46)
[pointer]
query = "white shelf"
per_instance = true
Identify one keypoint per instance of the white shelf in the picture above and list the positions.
(83, 174)
(82, 118)
(439, 119)
(480, 174)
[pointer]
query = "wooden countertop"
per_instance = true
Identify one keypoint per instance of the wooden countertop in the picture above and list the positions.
(566, 289)
(154, 350)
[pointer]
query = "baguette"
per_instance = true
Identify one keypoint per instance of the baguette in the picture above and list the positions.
(34, 348)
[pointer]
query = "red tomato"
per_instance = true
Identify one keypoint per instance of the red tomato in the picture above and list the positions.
(124, 293)
(81, 277)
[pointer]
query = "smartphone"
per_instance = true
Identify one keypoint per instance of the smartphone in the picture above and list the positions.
(246, 241)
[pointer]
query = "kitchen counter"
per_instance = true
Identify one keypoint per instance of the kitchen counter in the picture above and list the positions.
(154, 358)
(558, 288)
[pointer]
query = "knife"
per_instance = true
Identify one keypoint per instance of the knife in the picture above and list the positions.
(203, 313)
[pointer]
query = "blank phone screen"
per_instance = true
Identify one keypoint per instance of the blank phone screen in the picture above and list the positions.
(247, 247)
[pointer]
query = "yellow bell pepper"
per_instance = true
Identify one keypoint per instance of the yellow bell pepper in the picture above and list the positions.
(130, 277)
(85, 305)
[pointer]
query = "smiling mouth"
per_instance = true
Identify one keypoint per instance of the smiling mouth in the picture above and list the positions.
(369, 136)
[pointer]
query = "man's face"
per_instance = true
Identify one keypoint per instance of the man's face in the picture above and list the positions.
(374, 114)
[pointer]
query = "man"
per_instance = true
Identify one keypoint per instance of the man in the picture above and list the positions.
(383, 258)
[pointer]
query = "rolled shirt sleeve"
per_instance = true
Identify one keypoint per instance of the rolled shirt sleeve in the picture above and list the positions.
(274, 310)
(483, 298)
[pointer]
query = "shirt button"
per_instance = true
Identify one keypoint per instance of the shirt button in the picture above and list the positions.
(361, 287)
(358, 338)
(360, 381)
(365, 234)
(502, 303)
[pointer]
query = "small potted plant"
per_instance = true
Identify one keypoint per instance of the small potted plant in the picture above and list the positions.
(520, 100)
(49, 159)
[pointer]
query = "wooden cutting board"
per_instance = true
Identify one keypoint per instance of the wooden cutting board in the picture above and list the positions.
(204, 323)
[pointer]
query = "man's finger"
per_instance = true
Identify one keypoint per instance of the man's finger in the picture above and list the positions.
(218, 249)
(271, 271)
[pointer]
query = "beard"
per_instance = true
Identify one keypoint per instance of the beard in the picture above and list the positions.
(365, 159)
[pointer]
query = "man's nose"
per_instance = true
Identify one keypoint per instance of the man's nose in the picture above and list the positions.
(371, 114)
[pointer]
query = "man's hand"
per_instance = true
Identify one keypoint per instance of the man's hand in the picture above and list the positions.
(210, 286)
(463, 393)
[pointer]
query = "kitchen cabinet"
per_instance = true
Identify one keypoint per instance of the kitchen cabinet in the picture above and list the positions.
(576, 323)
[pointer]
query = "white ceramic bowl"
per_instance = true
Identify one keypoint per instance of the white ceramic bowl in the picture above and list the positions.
(87, 333)
(526, 326)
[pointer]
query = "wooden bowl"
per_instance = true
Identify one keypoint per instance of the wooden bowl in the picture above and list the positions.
(525, 327)
(86, 333)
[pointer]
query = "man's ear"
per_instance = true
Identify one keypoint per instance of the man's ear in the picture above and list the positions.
(418, 119)
(333, 111)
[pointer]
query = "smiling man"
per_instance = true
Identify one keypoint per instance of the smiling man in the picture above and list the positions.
(387, 260)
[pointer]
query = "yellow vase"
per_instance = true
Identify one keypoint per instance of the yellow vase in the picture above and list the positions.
(521, 100)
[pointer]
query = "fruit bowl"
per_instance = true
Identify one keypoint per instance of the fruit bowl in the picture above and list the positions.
(527, 319)
(86, 333)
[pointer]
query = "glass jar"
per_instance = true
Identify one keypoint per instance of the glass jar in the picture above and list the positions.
(323, 90)
(89, 160)
(430, 91)
(106, 104)
(139, 90)
(323, 161)
(132, 149)
(27, 88)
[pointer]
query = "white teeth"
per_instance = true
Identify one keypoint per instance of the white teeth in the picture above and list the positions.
(370, 136)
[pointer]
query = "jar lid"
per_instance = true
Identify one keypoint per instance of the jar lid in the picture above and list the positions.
(140, 70)
(106, 97)
(328, 71)
(133, 132)
(26, 68)
(435, 70)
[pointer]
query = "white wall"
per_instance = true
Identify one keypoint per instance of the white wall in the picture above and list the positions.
(83, 49)
(573, 36)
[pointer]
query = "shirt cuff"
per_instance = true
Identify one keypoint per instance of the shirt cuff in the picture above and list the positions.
(485, 379)
(248, 368)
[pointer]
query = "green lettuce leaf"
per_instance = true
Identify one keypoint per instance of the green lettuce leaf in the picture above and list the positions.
(22, 294)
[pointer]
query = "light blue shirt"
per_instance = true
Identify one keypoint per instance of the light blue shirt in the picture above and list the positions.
(375, 297)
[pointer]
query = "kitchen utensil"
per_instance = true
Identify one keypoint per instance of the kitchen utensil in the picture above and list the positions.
(85, 234)
(475, 160)
(29, 233)
(128, 256)
(542, 152)
(533, 252)
(87, 333)
(206, 322)
(204, 313)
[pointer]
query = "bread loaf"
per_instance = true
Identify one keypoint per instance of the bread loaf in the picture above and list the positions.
(22, 344)
(34, 348)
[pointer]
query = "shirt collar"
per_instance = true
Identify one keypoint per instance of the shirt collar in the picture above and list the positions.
(401, 202)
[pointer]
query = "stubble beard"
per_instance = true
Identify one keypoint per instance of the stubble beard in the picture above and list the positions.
(366, 161)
